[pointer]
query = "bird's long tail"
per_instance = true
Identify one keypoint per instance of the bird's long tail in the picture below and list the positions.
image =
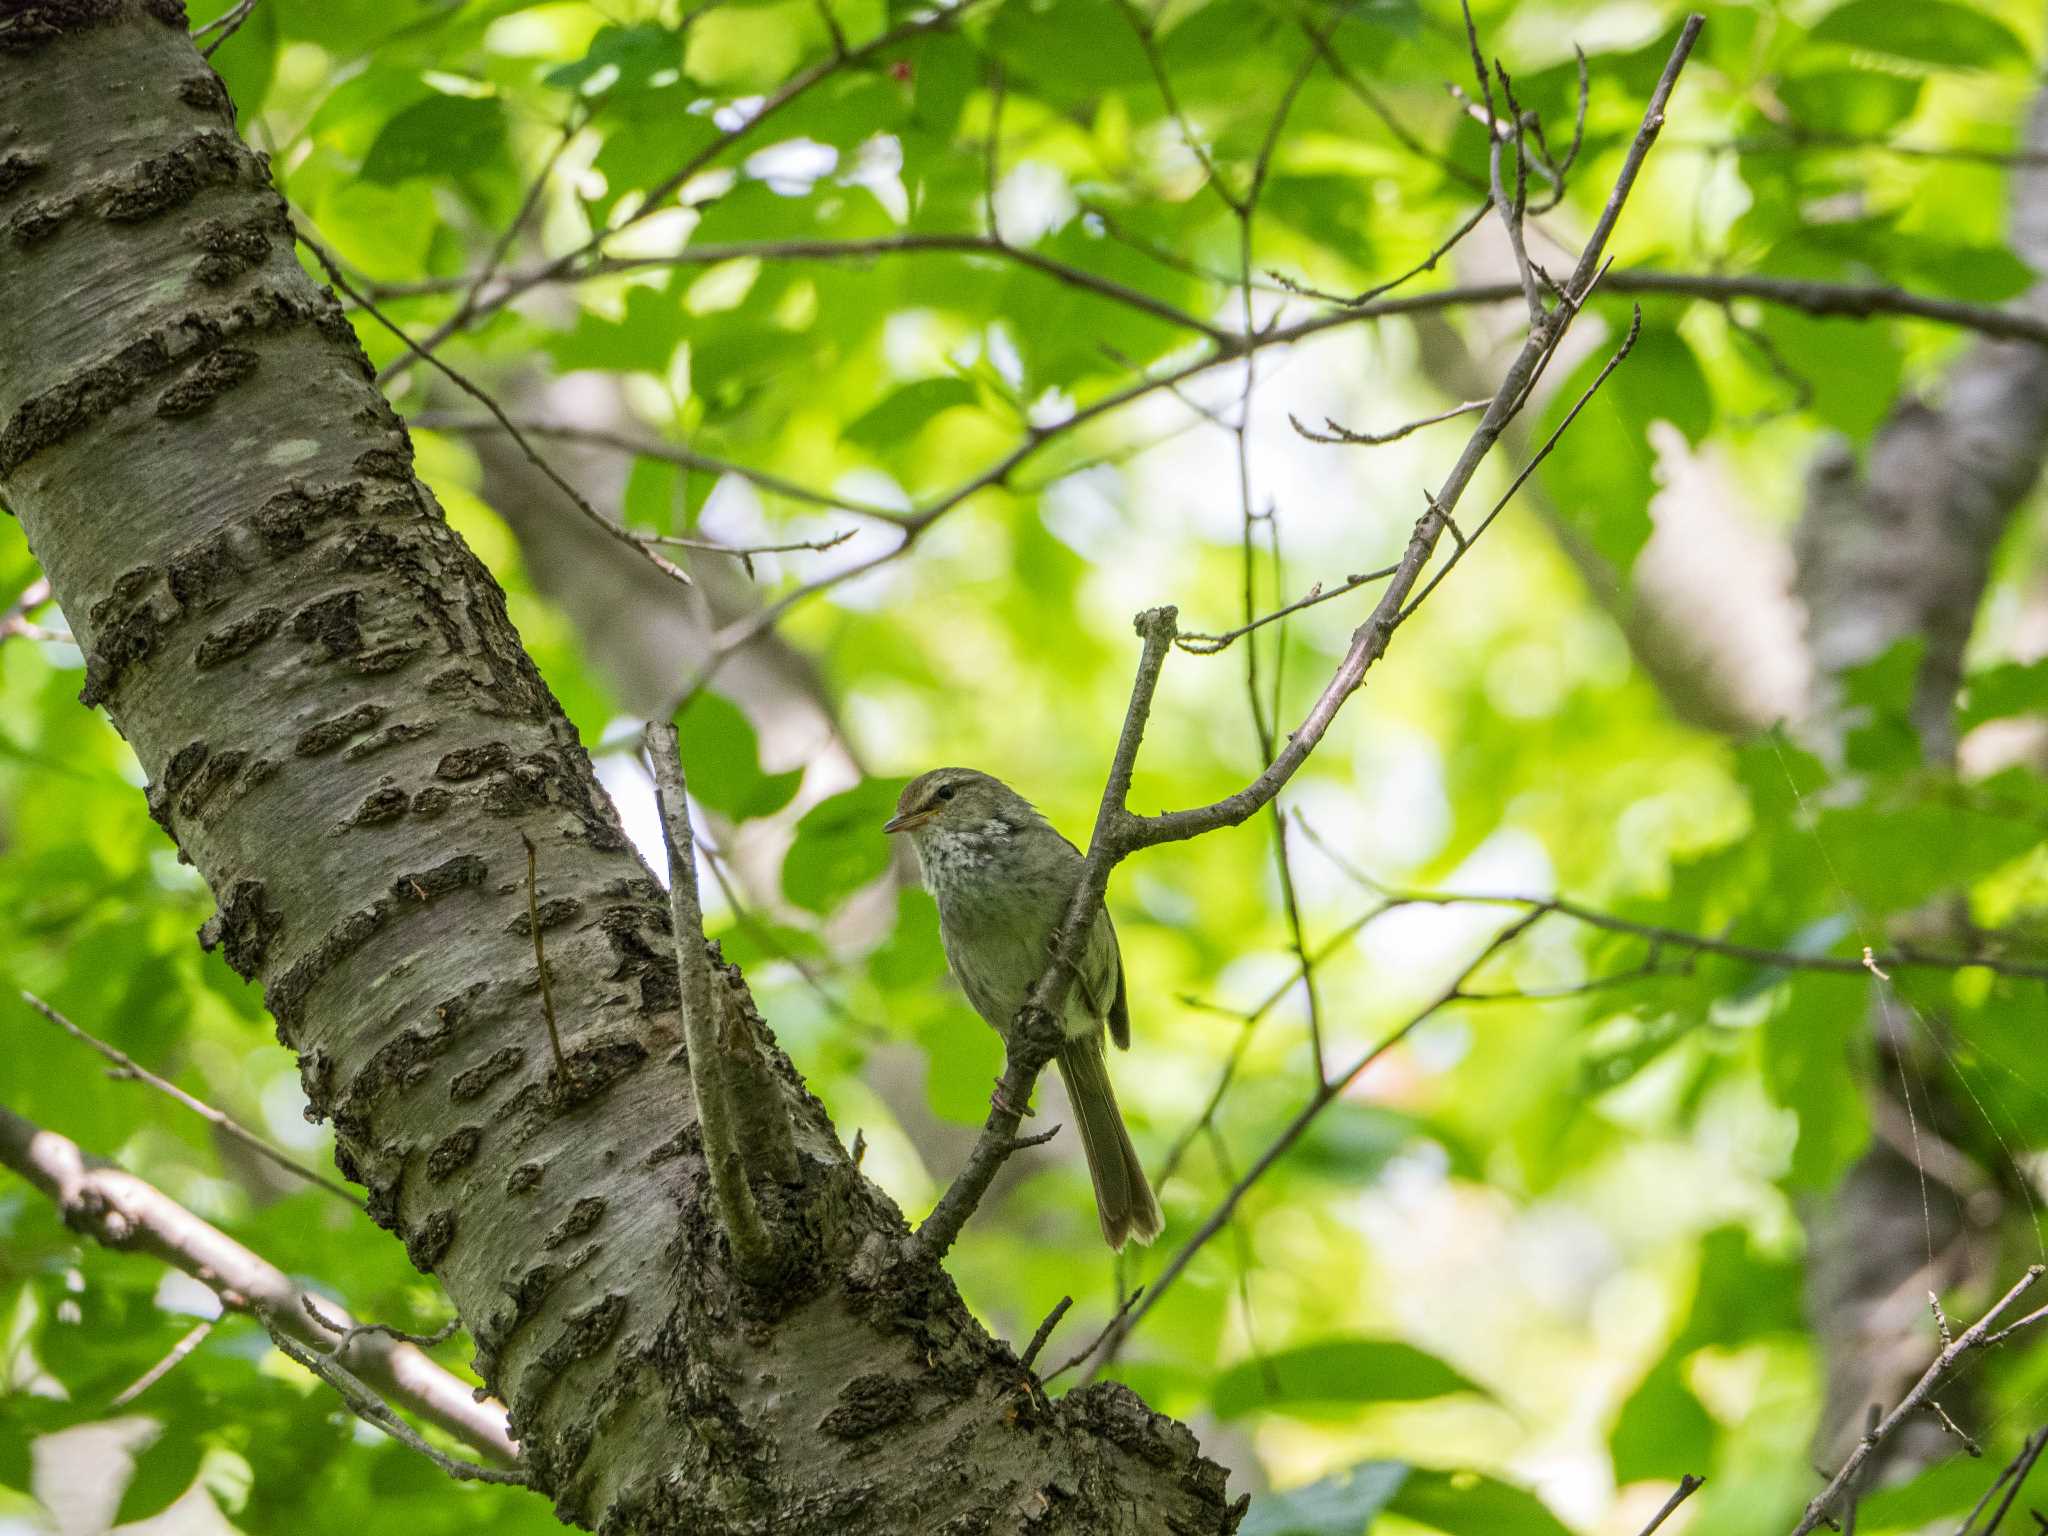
(1123, 1199)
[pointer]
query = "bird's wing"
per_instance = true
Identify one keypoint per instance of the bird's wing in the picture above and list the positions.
(1102, 982)
(1120, 1010)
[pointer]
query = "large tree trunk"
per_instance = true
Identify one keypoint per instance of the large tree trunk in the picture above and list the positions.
(342, 733)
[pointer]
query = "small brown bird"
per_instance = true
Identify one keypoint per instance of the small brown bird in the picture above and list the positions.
(1002, 877)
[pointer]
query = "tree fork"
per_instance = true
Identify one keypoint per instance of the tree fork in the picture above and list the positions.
(342, 732)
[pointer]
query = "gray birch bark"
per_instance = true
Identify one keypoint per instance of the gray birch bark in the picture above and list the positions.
(341, 731)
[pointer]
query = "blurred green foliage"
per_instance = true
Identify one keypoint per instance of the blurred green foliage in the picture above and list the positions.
(1541, 1260)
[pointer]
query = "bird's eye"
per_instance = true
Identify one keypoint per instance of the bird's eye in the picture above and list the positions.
(945, 791)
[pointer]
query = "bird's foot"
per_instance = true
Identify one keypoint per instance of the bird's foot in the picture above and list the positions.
(1001, 1102)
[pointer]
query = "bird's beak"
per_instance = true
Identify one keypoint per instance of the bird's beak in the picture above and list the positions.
(908, 821)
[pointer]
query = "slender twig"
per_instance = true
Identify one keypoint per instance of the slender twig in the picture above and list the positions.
(1209, 645)
(671, 453)
(534, 191)
(1162, 80)
(832, 28)
(1688, 1485)
(1820, 299)
(228, 23)
(1755, 954)
(192, 1338)
(347, 1333)
(1497, 137)
(461, 381)
(1977, 1336)
(127, 1066)
(1345, 435)
(540, 959)
(1112, 1327)
(710, 1065)
(1522, 476)
(992, 161)
(922, 243)
(15, 621)
(2015, 1473)
(372, 1409)
(1949, 1424)
(1052, 1321)
(1376, 104)
(744, 553)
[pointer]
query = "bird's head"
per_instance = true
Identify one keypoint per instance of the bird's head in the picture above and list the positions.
(956, 800)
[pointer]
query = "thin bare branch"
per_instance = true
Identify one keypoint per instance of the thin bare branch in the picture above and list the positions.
(190, 1340)
(372, 1409)
(611, 529)
(1977, 1336)
(1465, 543)
(710, 1064)
(347, 1333)
(540, 959)
(988, 245)
(118, 1209)
(792, 90)
(2015, 1474)
(669, 453)
(535, 190)
(1688, 1485)
(1209, 645)
(1112, 1327)
(228, 23)
(1052, 1321)
(127, 1066)
(1369, 641)
(1346, 436)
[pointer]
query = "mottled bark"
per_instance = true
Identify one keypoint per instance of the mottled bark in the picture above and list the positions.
(342, 733)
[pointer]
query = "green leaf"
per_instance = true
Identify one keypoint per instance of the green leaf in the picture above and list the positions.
(722, 761)
(1662, 1430)
(912, 955)
(163, 1472)
(442, 135)
(1343, 1504)
(1469, 1504)
(1349, 1143)
(1857, 103)
(634, 55)
(1347, 1503)
(1807, 1054)
(1949, 1488)
(840, 845)
(901, 415)
(963, 1056)
(1936, 32)
(1335, 1376)
(1852, 370)
(1600, 473)
(1997, 693)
